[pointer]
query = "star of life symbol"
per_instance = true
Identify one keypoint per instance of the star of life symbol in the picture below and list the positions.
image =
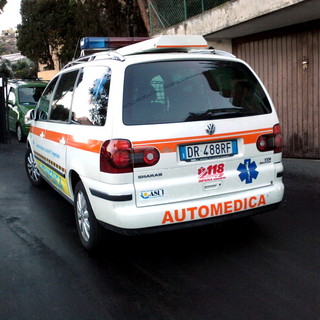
(248, 171)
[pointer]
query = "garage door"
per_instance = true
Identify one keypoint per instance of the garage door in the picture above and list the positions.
(288, 64)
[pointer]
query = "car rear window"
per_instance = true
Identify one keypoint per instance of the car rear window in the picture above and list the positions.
(179, 91)
(30, 95)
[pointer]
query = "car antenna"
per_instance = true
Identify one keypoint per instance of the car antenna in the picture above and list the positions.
(75, 51)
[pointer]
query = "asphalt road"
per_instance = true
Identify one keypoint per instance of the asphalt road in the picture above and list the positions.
(263, 268)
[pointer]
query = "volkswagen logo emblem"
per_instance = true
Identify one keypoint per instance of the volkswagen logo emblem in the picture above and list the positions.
(210, 128)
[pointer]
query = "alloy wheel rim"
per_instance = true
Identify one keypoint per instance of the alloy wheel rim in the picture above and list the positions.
(32, 168)
(83, 216)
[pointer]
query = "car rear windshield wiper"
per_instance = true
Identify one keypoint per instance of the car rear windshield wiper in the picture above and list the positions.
(219, 114)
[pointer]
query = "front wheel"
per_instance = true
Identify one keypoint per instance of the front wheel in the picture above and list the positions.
(88, 228)
(20, 136)
(32, 169)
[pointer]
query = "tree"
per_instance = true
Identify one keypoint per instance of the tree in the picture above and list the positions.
(55, 26)
(5, 69)
(24, 69)
(33, 39)
(143, 8)
(21, 69)
(2, 4)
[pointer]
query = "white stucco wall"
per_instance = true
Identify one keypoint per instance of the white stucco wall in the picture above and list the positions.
(221, 44)
(229, 14)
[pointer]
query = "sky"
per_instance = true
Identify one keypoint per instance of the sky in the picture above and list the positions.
(10, 17)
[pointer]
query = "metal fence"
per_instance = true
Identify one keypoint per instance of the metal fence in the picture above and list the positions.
(166, 13)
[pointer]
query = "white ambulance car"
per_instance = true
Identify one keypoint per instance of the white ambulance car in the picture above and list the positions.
(158, 135)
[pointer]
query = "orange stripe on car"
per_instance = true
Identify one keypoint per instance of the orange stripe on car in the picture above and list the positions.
(163, 145)
(170, 145)
(182, 46)
(35, 130)
(89, 145)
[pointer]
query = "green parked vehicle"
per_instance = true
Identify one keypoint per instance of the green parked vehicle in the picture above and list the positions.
(23, 96)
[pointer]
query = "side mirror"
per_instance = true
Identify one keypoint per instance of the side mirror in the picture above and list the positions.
(30, 115)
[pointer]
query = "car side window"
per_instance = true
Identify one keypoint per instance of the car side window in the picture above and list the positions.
(90, 101)
(44, 102)
(61, 103)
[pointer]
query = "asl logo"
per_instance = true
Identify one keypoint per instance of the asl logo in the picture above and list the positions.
(152, 194)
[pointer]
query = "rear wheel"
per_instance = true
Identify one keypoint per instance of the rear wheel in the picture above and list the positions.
(32, 169)
(88, 228)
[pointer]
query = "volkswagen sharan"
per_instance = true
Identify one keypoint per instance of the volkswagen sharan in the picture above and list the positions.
(159, 135)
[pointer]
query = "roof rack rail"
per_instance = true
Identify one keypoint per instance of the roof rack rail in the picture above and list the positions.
(163, 43)
(215, 51)
(96, 56)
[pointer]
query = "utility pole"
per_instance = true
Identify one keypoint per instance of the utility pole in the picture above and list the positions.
(4, 130)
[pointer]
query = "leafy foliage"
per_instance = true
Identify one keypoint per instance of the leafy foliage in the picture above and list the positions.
(21, 69)
(5, 69)
(24, 69)
(57, 25)
(2, 4)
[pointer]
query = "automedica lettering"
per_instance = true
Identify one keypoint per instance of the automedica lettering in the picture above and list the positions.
(212, 210)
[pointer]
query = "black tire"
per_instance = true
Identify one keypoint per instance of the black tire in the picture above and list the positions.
(32, 169)
(20, 136)
(88, 227)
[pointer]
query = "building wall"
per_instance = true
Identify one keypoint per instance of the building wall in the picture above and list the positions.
(284, 52)
(47, 74)
(288, 63)
(227, 15)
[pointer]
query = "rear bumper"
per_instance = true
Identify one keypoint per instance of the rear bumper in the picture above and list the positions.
(190, 224)
(126, 217)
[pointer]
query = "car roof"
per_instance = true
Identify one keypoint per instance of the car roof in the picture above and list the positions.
(157, 49)
(27, 83)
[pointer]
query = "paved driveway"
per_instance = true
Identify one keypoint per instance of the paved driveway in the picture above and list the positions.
(263, 268)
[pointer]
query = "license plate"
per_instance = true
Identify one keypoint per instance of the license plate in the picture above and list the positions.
(210, 150)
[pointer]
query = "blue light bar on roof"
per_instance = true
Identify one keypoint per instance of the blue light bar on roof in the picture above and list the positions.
(100, 43)
(94, 43)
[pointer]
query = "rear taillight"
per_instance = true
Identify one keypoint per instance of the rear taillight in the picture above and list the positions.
(272, 141)
(278, 140)
(118, 156)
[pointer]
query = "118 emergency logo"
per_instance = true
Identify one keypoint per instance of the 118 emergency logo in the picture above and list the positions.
(211, 173)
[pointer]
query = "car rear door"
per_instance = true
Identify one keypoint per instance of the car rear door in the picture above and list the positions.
(200, 118)
(57, 130)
